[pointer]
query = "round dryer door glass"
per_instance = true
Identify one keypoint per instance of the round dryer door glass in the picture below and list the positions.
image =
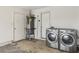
(67, 39)
(52, 37)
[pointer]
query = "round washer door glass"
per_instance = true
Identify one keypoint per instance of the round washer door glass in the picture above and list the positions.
(67, 39)
(52, 36)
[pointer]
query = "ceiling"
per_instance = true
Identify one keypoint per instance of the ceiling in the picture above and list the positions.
(30, 7)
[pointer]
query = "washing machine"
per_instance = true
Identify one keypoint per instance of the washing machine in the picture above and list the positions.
(52, 37)
(68, 40)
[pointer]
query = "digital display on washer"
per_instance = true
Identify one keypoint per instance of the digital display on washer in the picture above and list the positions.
(52, 37)
(67, 39)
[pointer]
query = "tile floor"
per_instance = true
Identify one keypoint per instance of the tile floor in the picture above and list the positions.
(28, 46)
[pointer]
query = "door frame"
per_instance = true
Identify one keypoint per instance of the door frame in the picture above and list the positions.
(38, 25)
(41, 21)
(14, 23)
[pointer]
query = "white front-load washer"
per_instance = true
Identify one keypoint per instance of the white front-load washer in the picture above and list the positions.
(68, 40)
(52, 37)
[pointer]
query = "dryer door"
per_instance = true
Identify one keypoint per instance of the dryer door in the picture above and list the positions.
(52, 37)
(67, 40)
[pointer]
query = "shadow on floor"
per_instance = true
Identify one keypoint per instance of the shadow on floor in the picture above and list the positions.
(28, 46)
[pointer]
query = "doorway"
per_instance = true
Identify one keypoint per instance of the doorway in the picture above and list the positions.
(45, 23)
(19, 26)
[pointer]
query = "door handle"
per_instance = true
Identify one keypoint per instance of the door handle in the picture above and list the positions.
(14, 28)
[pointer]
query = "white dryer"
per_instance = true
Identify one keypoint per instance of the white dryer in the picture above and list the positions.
(52, 37)
(68, 40)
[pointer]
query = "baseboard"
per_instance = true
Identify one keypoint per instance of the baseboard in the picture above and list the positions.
(40, 39)
(17, 40)
(9, 42)
(5, 43)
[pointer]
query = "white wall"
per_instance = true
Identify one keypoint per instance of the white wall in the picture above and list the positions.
(6, 22)
(62, 17)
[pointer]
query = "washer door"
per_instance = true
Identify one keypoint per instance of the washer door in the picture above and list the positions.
(52, 37)
(67, 40)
